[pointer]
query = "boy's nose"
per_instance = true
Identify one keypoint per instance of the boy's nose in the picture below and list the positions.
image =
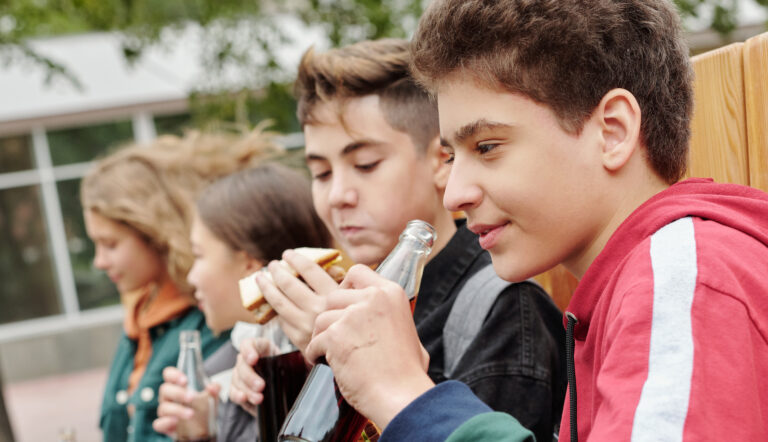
(342, 194)
(461, 193)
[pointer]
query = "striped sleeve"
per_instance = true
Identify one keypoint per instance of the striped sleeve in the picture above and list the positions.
(663, 405)
(682, 358)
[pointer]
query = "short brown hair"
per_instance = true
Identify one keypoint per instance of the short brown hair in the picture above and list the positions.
(377, 67)
(567, 54)
(263, 211)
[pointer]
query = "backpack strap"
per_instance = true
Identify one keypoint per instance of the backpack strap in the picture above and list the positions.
(468, 313)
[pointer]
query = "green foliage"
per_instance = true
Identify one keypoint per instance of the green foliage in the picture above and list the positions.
(246, 108)
(226, 25)
(723, 12)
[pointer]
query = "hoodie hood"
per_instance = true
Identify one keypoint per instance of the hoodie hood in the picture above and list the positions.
(738, 207)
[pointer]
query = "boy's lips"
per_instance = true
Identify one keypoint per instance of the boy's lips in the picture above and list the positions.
(489, 234)
(350, 230)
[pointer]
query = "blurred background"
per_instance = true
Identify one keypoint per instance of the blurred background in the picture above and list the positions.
(79, 77)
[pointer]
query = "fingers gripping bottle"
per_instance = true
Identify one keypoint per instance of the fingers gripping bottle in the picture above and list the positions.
(201, 427)
(320, 414)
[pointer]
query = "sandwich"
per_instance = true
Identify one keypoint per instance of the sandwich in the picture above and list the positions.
(251, 295)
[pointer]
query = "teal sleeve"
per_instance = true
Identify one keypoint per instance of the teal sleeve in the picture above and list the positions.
(497, 427)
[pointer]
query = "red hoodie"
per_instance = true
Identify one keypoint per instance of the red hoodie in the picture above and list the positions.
(671, 341)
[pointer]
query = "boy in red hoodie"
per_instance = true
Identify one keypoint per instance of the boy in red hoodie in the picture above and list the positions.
(568, 125)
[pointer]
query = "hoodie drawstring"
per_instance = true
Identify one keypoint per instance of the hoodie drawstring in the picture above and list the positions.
(571, 368)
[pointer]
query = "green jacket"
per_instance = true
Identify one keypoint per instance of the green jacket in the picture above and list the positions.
(115, 422)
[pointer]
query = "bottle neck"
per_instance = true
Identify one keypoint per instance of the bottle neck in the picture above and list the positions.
(405, 264)
(191, 364)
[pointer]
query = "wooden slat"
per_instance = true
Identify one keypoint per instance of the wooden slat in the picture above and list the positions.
(756, 93)
(560, 284)
(719, 138)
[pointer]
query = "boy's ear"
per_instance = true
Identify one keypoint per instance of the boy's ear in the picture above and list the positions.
(618, 116)
(437, 156)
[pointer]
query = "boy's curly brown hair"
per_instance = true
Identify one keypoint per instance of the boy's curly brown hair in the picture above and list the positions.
(567, 54)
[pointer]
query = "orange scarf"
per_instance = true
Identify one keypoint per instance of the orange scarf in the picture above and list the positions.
(147, 308)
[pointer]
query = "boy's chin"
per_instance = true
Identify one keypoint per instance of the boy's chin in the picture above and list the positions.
(367, 255)
(512, 268)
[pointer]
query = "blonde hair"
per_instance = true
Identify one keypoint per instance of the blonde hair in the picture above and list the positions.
(152, 188)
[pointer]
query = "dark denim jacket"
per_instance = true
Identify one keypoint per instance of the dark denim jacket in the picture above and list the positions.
(516, 364)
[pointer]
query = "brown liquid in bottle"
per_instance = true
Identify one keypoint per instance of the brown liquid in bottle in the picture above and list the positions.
(284, 376)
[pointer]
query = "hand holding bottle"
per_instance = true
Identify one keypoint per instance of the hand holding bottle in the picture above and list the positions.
(368, 337)
(201, 425)
(247, 387)
(174, 400)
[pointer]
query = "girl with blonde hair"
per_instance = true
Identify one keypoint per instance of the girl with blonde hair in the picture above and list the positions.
(137, 205)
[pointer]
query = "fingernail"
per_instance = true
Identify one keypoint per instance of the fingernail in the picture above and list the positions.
(188, 413)
(258, 384)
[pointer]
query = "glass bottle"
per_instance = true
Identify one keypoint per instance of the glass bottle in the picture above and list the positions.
(201, 427)
(284, 372)
(320, 414)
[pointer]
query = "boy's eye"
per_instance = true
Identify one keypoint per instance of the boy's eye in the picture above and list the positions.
(485, 148)
(368, 166)
(449, 160)
(321, 175)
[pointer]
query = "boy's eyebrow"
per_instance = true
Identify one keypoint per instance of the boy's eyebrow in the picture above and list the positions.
(314, 157)
(348, 149)
(469, 130)
(358, 144)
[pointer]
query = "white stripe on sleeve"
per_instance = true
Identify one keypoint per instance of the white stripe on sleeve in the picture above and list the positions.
(663, 406)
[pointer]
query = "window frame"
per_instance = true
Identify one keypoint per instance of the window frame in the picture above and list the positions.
(47, 176)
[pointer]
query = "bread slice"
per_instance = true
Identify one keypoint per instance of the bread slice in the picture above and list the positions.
(251, 295)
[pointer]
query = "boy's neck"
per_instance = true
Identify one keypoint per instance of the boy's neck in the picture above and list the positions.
(624, 204)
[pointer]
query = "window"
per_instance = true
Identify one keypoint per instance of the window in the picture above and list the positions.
(77, 145)
(94, 289)
(26, 267)
(16, 154)
(45, 256)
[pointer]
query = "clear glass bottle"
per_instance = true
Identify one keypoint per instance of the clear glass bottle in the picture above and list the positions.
(320, 414)
(201, 427)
